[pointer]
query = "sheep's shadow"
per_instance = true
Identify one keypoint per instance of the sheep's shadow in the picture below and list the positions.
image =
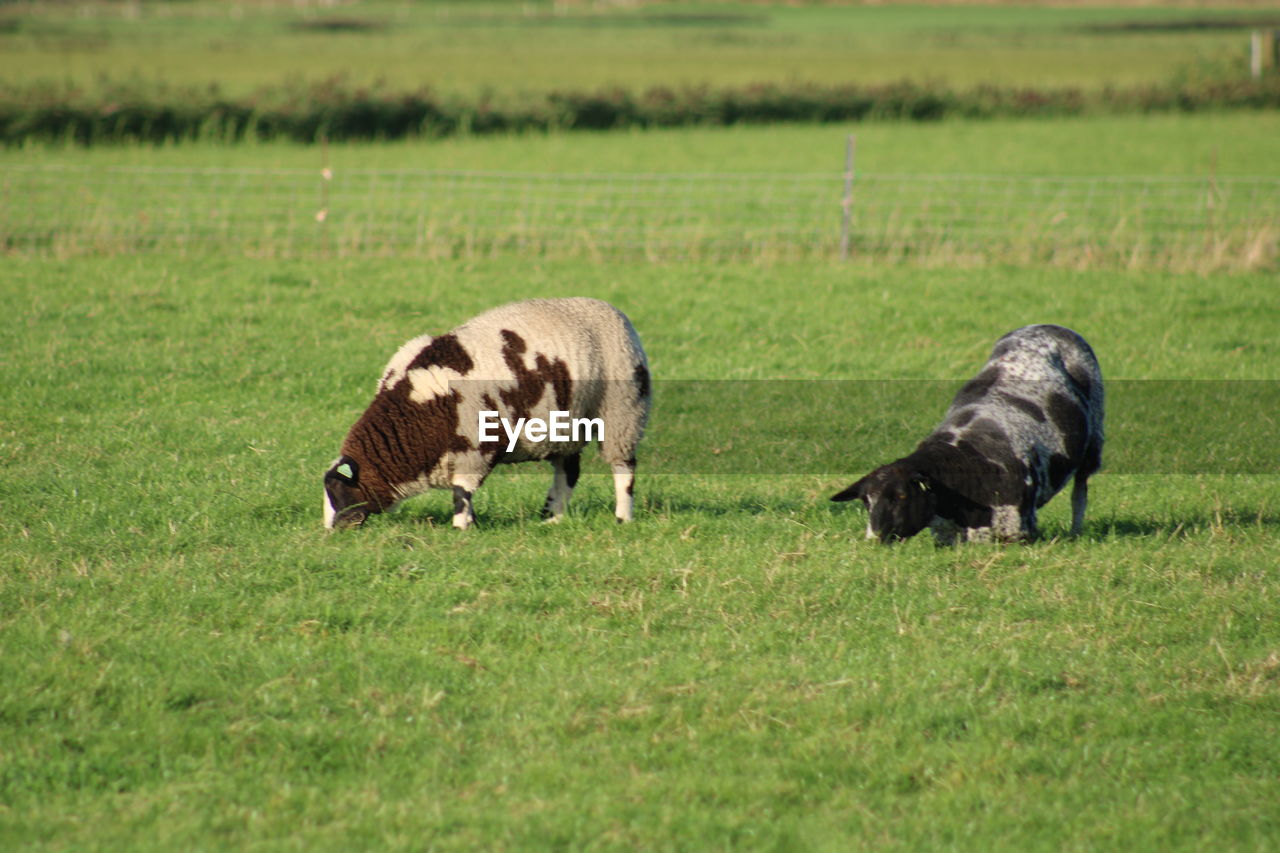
(507, 513)
(1109, 527)
(589, 508)
(1181, 525)
(723, 507)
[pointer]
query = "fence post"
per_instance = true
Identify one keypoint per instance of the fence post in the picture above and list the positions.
(846, 200)
(326, 175)
(1255, 54)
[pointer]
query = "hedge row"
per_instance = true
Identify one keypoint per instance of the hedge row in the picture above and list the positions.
(338, 111)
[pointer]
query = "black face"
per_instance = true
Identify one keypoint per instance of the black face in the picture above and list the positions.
(346, 504)
(901, 510)
(901, 502)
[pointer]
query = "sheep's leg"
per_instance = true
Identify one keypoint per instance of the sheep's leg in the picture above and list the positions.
(1030, 527)
(1079, 501)
(469, 472)
(463, 514)
(465, 485)
(562, 482)
(945, 531)
(624, 483)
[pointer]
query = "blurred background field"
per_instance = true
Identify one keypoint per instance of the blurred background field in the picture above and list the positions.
(1088, 137)
(113, 71)
(538, 45)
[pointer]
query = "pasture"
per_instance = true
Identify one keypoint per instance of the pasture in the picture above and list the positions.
(190, 660)
(1193, 193)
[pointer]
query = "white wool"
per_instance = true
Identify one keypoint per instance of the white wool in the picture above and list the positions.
(586, 344)
(430, 382)
(400, 362)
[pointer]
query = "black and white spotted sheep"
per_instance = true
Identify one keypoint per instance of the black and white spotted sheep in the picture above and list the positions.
(523, 360)
(1015, 433)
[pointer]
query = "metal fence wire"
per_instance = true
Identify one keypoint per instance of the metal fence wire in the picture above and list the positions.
(1159, 221)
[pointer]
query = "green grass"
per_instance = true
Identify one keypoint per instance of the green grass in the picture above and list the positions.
(189, 660)
(508, 48)
(761, 194)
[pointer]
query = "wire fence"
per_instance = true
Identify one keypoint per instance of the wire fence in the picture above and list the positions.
(1086, 221)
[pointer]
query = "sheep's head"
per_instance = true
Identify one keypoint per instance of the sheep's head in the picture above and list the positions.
(347, 503)
(900, 502)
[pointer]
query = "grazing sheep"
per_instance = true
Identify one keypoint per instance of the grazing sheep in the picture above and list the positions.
(435, 421)
(1013, 435)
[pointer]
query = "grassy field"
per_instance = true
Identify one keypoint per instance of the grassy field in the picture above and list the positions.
(191, 661)
(1182, 193)
(507, 48)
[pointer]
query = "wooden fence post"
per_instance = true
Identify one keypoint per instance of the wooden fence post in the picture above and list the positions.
(322, 215)
(846, 200)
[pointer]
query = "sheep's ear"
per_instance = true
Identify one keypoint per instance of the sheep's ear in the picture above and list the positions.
(347, 470)
(856, 492)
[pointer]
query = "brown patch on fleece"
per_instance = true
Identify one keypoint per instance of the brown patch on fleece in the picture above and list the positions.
(397, 440)
(641, 377)
(530, 383)
(444, 351)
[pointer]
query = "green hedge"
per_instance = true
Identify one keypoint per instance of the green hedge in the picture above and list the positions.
(339, 111)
